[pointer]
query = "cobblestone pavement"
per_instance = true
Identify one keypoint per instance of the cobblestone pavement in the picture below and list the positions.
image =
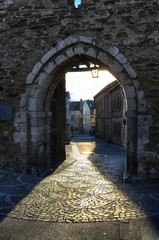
(87, 187)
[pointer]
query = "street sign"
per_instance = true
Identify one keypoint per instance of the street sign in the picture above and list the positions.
(6, 111)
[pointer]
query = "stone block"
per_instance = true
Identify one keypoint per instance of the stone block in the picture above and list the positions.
(131, 123)
(143, 134)
(123, 79)
(71, 40)
(60, 59)
(103, 58)
(65, 22)
(91, 52)
(30, 78)
(144, 120)
(115, 67)
(136, 83)
(131, 135)
(32, 104)
(61, 45)
(37, 122)
(47, 138)
(40, 103)
(23, 127)
(48, 55)
(129, 70)
(43, 80)
(140, 94)
(141, 146)
(47, 129)
(24, 149)
(98, 43)
(20, 117)
(23, 102)
(37, 68)
(85, 39)
(131, 103)
(130, 91)
(131, 114)
(131, 147)
(111, 50)
(48, 121)
(20, 137)
(49, 114)
(37, 90)
(37, 139)
(142, 105)
(49, 67)
(37, 115)
(17, 126)
(120, 57)
(79, 50)
(69, 52)
(36, 131)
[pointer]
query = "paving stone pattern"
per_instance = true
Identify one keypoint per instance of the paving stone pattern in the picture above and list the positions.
(87, 187)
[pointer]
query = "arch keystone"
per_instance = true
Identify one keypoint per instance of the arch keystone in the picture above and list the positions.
(91, 52)
(85, 39)
(71, 40)
(61, 45)
(79, 50)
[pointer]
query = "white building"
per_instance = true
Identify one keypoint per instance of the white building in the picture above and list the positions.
(87, 121)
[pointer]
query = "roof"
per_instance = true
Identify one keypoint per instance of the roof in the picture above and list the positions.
(68, 95)
(110, 87)
(74, 106)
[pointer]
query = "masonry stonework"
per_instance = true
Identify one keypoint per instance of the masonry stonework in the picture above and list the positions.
(41, 40)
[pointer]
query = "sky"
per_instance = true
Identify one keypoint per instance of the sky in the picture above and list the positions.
(83, 86)
(77, 2)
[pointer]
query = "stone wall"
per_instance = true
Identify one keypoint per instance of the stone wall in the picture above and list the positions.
(29, 29)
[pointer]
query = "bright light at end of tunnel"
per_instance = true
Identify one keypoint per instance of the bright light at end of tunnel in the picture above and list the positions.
(82, 85)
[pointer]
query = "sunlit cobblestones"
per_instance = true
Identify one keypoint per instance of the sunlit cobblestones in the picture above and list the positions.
(85, 188)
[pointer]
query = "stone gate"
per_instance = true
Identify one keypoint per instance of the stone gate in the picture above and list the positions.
(42, 40)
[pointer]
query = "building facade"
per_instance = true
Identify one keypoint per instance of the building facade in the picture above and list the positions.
(81, 115)
(111, 115)
(87, 121)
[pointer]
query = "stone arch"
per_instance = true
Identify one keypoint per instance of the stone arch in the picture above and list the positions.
(45, 77)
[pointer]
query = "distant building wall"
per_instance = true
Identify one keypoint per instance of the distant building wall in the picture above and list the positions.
(110, 114)
(87, 122)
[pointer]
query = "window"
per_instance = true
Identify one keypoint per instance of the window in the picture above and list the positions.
(77, 2)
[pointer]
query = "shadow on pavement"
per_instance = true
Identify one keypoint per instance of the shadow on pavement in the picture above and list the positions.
(143, 196)
(13, 188)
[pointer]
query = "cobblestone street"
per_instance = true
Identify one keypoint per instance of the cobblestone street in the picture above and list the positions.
(87, 187)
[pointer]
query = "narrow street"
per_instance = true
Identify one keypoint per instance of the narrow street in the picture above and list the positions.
(86, 188)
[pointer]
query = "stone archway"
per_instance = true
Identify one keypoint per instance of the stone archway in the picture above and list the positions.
(41, 83)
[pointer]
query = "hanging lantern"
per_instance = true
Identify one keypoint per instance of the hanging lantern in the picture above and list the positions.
(95, 73)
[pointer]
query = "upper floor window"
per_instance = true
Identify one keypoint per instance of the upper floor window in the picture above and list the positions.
(77, 2)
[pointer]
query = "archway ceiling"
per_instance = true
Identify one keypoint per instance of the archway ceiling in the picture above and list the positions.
(77, 60)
